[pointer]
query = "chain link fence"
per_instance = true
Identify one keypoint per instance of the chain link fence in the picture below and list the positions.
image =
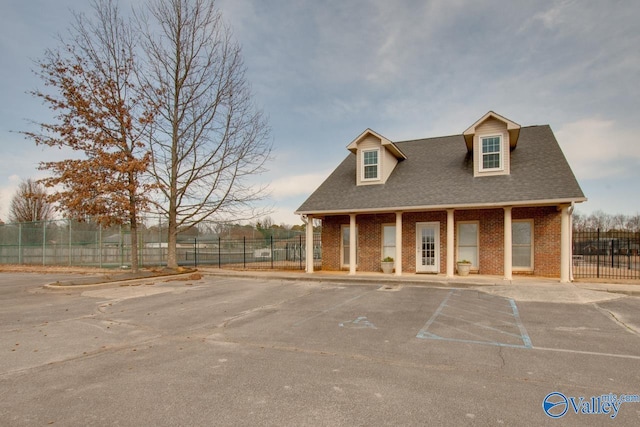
(72, 243)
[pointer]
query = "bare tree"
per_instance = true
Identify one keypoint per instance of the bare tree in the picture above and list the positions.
(209, 139)
(633, 223)
(618, 221)
(30, 203)
(101, 113)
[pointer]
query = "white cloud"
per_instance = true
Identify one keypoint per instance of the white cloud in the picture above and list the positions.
(7, 190)
(598, 148)
(296, 185)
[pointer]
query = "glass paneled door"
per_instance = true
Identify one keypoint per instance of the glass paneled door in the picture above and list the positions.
(427, 247)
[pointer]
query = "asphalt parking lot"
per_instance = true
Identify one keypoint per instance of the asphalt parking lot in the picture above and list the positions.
(240, 351)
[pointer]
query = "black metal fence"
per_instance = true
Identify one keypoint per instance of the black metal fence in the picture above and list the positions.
(609, 255)
(262, 253)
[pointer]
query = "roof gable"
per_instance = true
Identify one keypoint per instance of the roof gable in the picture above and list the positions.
(386, 143)
(512, 127)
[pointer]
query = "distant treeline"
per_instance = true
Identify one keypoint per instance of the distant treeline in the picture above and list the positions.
(606, 222)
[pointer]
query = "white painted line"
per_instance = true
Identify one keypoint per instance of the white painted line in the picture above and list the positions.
(590, 353)
(330, 309)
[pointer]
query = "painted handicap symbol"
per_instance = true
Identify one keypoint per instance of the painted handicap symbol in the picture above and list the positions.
(360, 323)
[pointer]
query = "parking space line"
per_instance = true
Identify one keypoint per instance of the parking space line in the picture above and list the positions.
(481, 326)
(523, 331)
(436, 314)
(330, 309)
(444, 324)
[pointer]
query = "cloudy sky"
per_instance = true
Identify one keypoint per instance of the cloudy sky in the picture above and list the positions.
(324, 71)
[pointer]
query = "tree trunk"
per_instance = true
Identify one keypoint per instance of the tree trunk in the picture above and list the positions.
(134, 247)
(172, 261)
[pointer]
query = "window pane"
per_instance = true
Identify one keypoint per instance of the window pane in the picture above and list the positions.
(370, 157)
(370, 172)
(491, 145)
(521, 232)
(468, 234)
(470, 253)
(521, 256)
(490, 161)
(389, 235)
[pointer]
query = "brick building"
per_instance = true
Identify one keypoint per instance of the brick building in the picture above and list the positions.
(499, 195)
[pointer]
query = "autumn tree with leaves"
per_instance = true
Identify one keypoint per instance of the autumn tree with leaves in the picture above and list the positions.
(208, 139)
(101, 112)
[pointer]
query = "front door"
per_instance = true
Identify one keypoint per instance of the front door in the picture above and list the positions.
(427, 247)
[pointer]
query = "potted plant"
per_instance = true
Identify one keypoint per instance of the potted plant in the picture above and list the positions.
(464, 266)
(387, 265)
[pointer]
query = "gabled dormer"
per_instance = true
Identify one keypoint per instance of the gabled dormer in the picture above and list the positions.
(491, 140)
(376, 157)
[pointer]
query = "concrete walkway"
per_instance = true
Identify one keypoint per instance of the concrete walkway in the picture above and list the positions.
(519, 289)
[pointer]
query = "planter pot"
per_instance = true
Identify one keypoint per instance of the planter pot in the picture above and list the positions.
(387, 267)
(463, 269)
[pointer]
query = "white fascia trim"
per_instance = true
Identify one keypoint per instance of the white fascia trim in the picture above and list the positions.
(526, 203)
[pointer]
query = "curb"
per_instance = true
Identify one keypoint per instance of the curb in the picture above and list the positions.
(351, 279)
(128, 282)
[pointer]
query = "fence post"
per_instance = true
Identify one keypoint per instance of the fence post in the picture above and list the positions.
(628, 253)
(44, 242)
(271, 237)
(69, 221)
(121, 247)
(100, 245)
(612, 250)
(244, 252)
(20, 243)
(195, 252)
(598, 254)
(219, 253)
(300, 246)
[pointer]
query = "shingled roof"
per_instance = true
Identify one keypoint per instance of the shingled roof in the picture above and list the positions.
(438, 174)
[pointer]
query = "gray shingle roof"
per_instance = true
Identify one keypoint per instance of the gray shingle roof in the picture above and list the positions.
(438, 172)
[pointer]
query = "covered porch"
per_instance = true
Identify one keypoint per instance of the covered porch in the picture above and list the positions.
(428, 241)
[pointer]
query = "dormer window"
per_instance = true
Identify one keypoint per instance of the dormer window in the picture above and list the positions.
(491, 153)
(491, 140)
(371, 165)
(376, 157)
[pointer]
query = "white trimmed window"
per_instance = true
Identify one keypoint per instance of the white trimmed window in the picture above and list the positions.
(370, 165)
(522, 244)
(389, 241)
(346, 247)
(468, 242)
(491, 147)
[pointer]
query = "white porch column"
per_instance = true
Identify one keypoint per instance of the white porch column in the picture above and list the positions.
(450, 245)
(352, 244)
(565, 245)
(398, 244)
(508, 263)
(309, 244)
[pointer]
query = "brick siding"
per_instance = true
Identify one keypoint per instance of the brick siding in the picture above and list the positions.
(546, 239)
